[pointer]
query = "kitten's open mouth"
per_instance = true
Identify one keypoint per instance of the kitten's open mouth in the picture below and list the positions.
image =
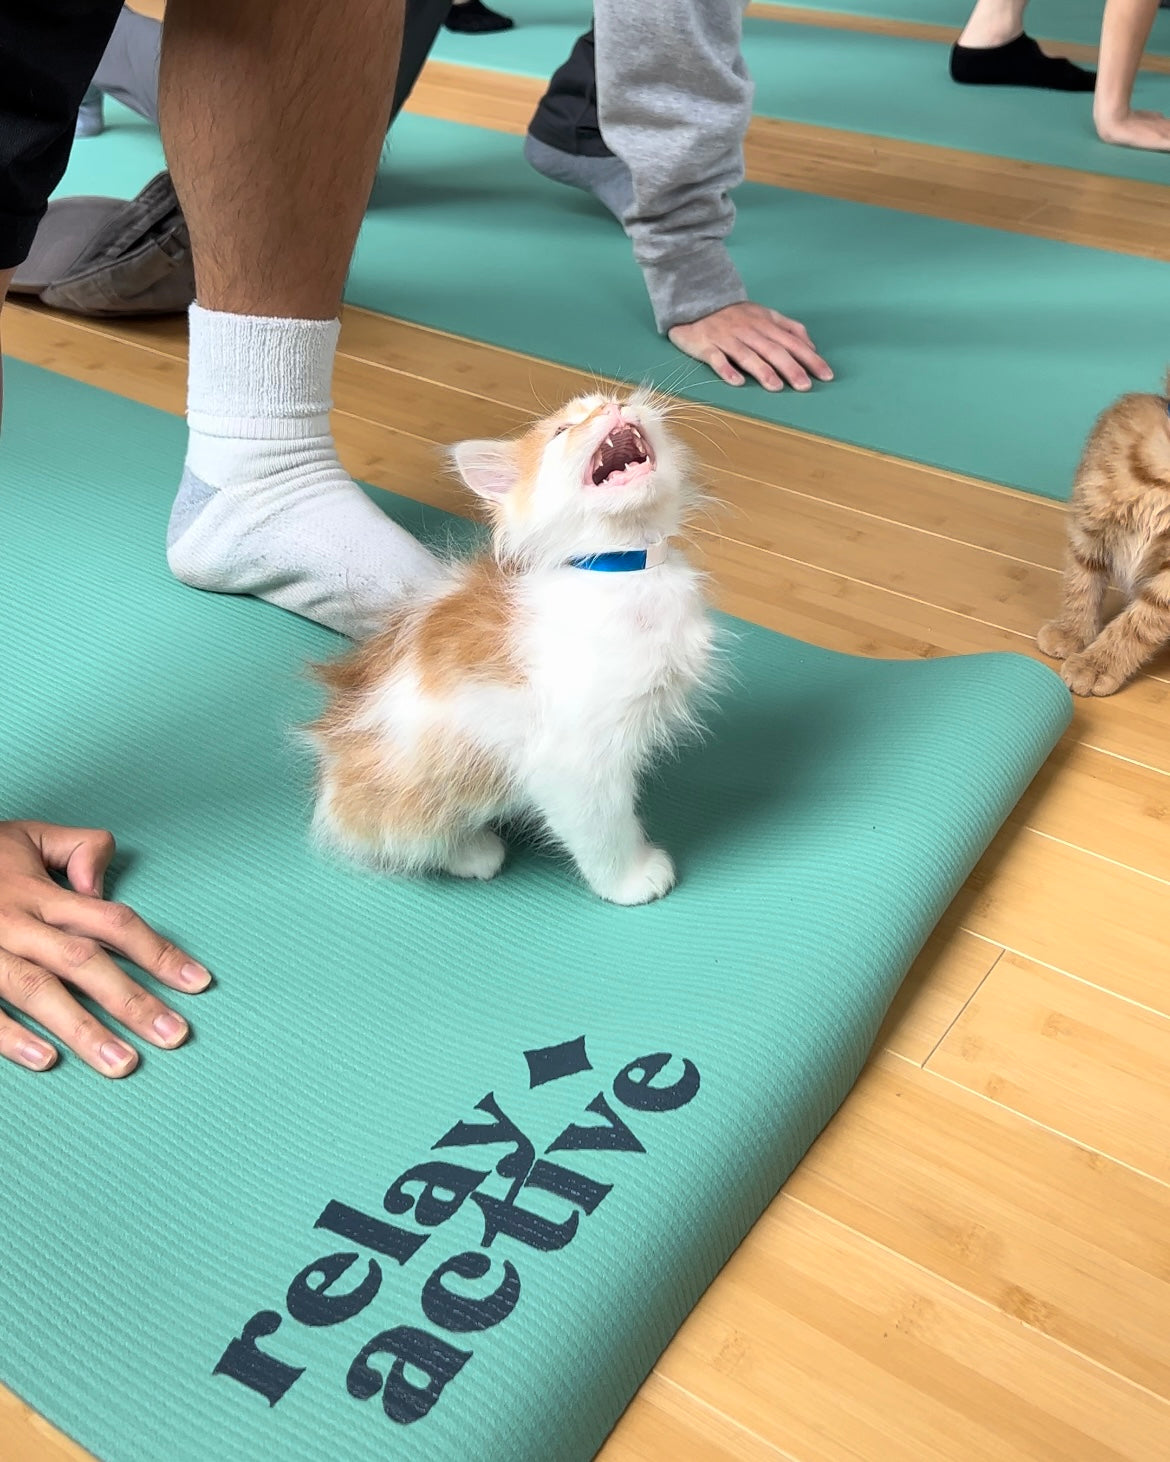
(622, 458)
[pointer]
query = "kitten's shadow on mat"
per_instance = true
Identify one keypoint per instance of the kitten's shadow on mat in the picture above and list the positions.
(751, 760)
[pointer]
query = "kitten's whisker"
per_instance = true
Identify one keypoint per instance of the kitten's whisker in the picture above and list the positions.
(545, 409)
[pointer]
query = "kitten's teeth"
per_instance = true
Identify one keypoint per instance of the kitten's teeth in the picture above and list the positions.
(609, 441)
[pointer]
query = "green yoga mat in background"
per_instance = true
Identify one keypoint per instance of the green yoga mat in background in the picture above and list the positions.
(617, 1093)
(1056, 19)
(886, 86)
(1061, 20)
(984, 352)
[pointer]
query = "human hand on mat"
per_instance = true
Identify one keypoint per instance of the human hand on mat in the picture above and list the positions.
(53, 937)
(1149, 130)
(755, 340)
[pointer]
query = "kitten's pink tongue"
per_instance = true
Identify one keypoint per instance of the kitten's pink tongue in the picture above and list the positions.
(625, 448)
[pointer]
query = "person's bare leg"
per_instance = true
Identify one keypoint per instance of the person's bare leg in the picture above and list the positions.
(993, 50)
(273, 117)
(994, 23)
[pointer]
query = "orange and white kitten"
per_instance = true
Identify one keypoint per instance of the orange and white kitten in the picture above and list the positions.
(1119, 531)
(541, 678)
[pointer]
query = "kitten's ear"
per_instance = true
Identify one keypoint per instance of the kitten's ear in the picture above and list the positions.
(488, 468)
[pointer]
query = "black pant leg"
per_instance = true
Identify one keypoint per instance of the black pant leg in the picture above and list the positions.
(567, 115)
(424, 20)
(49, 51)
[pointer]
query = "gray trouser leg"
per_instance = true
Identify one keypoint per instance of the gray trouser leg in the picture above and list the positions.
(129, 69)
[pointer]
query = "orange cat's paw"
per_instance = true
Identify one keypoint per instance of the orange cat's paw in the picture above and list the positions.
(1058, 642)
(1085, 675)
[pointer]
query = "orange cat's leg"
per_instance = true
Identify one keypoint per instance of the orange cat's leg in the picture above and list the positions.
(1126, 643)
(1086, 578)
(384, 842)
(418, 811)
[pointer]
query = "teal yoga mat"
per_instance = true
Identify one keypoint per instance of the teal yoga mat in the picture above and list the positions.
(984, 352)
(1062, 20)
(885, 86)
(663, 1068)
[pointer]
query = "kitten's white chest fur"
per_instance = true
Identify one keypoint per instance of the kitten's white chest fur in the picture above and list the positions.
(625, 649)
(610, 667)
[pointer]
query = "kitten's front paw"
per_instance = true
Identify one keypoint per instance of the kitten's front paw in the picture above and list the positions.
(481, 856)
(651, 876)
(1058, 642)
(1086, 675)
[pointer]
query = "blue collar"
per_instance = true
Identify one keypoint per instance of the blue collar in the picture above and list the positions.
(622, 560)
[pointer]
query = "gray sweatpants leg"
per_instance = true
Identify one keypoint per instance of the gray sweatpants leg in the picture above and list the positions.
(129, 69)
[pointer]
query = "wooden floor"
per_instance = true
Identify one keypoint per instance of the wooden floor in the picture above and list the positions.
(973, 1262)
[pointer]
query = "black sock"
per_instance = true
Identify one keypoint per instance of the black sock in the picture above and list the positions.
(474, 18)
(1020, 63)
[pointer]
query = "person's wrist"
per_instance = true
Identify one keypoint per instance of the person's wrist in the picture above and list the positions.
(1109, 111)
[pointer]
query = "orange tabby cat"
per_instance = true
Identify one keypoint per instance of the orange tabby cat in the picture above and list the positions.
(1119, 530)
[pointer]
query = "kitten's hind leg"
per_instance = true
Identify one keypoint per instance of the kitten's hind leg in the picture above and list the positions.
(479, 855)
(593, 815)
(1126, 643)
(1086, 578)
(372, 840)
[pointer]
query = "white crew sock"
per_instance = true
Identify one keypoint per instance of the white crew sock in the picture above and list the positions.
(264, 506)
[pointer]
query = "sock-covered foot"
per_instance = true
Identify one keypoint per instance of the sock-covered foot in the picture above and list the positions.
(264, 506)
(607, 178)
(474, 18)
(1019, 63)
(91, 116)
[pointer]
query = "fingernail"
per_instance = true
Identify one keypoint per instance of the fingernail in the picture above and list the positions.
(34, 1055)
(114, 1053)
(194, 976)
(169, 1027)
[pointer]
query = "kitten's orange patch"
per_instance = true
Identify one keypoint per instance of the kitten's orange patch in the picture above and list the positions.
(443, 782)
(529, 453)
(469, 634)
(444, 787)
